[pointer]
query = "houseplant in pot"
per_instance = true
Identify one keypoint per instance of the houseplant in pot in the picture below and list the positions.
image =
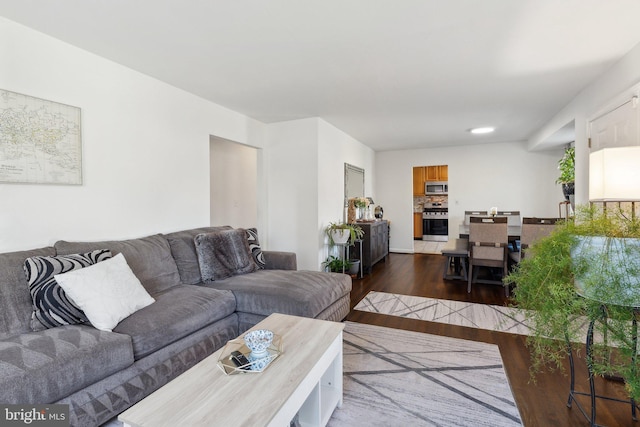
(341, 233)
(337, 265)
(586, 268)
(566, 166)
(354, 267)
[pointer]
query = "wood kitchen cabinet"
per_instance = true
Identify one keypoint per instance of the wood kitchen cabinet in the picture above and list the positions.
(436, 173)
(375, 243)
(417, 225)
(421, 174)
(418, 180)
(443, 173)
(432, 173)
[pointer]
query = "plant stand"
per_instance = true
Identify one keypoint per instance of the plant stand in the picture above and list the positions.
(359, 243)
(591, 418)
(345, 253)
(567, 209)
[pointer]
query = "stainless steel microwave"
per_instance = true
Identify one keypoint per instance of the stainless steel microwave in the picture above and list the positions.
(436, 188)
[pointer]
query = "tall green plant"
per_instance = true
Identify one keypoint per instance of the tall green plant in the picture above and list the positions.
(545, 288)
(567, 167)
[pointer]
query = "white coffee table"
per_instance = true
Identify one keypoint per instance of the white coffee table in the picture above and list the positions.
(306, 379)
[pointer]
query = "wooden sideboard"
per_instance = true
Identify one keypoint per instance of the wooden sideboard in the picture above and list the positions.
(375, 243)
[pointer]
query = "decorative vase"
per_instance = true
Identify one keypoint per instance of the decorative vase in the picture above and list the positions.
(568, 189)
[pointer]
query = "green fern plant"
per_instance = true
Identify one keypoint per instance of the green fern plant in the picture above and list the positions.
(545, 288)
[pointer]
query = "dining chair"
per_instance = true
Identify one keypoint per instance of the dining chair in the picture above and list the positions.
(533, 229)
(513, 219)
(469, 214)
(488, 240)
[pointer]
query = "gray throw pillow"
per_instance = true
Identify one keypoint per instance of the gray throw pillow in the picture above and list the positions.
(223, 254)
(183, 249)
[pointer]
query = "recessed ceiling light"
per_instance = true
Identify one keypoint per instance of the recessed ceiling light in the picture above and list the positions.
(482, 130)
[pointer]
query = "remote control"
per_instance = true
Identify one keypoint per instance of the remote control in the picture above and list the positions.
(240, 360)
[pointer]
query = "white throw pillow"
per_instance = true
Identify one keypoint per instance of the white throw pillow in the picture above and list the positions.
(107, 292)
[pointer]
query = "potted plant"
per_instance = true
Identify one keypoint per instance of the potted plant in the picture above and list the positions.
(336, 265)
(340, 233)
(586, 267)
(566, 166)
(354, 268)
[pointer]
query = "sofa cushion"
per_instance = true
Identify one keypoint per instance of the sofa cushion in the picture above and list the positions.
(279, 260)
(223, 254)
(183, 249)
(15, 301)
(176, 313)
(45, 366)
(107, 292)
(299, 293)
(149, 258)
(51, 305)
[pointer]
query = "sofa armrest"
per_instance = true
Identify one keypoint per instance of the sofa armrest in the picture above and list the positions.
(276, 260)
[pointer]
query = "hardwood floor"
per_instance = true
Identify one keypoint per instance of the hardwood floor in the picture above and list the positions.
(541, 403)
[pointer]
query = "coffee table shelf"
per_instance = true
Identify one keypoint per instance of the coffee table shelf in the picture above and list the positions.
(306, 379)
(325, 396)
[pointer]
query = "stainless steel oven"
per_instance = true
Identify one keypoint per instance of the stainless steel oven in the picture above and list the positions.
(435, 222)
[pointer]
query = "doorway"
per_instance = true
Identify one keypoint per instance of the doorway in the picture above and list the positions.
(233, 184)
(430, 208)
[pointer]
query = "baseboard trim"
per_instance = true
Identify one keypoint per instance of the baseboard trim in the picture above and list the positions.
(401, 251)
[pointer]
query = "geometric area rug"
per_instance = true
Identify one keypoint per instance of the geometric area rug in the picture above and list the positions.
(460, 313)
(394, 377)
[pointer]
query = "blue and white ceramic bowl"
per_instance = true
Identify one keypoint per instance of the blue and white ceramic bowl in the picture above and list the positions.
(259, 364)
(258, 342)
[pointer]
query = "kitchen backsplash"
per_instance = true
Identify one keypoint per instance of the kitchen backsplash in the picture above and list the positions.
(419, 201)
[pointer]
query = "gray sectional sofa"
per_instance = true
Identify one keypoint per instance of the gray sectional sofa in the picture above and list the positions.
(99, 373)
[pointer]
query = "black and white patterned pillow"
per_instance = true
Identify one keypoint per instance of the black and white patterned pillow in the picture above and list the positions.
(51, 305)
(254, 247)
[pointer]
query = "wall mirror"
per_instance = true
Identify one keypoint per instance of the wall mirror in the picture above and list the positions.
(353, 182)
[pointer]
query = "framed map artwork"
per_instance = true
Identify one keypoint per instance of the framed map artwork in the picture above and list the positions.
(40, 141)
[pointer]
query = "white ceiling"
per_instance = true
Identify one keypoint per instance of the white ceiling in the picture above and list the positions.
(394, 74)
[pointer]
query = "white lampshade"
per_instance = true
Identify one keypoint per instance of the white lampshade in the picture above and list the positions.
(614, 174)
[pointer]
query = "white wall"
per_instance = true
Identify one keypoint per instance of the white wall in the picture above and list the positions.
(335, 149)
(146, 158)
(146, 162)
(505, 175)
(619, 83)
(233, 184)
(292, 163)
(305, 160)
(145, 147)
